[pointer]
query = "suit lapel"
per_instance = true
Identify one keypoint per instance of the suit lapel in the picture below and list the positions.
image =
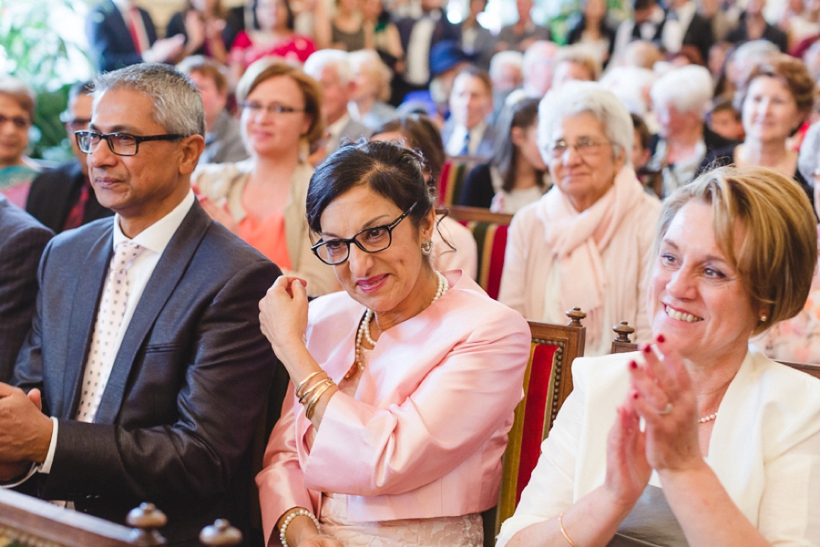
(166, 276)
(81, 321)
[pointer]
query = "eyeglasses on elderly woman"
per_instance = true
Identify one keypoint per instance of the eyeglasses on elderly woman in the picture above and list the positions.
(370, 240)
(585, 147)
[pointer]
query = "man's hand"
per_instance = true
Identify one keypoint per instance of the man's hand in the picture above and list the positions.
(25, 432)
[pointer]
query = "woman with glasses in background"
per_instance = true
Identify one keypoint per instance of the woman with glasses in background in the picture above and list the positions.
(262, 199)
(17, 104)
(403, 386)
(586, 242)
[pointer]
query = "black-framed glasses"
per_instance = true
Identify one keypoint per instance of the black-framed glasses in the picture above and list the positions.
(274, 108)
(585, 147)
(121, 144)
(369, 240)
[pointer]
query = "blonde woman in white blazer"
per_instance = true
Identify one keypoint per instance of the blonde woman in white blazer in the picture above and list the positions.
(698, 439)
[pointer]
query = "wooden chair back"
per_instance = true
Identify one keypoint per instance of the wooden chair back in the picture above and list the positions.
(547, 383)
(490, 233)
(453, 174)
(622, 344)
(809, 368)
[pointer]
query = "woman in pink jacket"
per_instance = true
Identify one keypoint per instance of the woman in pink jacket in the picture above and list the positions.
(403, 386)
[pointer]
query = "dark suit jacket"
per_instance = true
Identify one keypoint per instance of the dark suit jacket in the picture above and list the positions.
(53, 194)
(110, 40)
(699, 34)
(770, 33)
(187, 388)
(22, 240)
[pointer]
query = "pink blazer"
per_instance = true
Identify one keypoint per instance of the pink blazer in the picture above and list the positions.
(424, 435)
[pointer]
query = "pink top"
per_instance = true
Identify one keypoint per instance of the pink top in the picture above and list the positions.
(424, 434)
(268, 237)
(295, 47)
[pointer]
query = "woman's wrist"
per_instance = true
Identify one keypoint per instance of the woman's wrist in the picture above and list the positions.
(297, 525)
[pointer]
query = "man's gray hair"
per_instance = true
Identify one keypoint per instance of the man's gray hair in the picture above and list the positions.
(688, 89)
(336, 58)
(809, 153)
(177, 104)
(501, 59)
(574, 98)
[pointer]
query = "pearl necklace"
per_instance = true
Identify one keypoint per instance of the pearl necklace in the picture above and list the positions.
(364, 329)
(708, 418)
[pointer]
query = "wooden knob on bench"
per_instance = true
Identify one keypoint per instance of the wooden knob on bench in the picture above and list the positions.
(623, 330)
(145, 520)
(575, 315)
(220, 533)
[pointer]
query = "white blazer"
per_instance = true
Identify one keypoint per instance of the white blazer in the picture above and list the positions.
(765, 447)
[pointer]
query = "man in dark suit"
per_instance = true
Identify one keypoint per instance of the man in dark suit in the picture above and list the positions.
(121, 34)
(63, 198)
(696, 30)
(145, 350)
(22, 240)
(418, 35)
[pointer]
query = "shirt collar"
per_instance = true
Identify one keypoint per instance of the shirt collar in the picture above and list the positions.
(156, 237)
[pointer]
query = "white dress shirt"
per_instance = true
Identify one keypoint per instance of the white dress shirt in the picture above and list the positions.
(455, 146)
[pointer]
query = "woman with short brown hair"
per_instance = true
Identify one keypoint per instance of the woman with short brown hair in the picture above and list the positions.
(774, 100)
(262, 199)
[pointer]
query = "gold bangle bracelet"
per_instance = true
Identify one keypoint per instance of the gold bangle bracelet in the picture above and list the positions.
(563, 531)
(306, 395)
(305, 381)
(312, 404)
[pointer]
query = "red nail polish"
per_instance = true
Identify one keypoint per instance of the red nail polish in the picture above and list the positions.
(633, 365)
(647, 349)
(661, 339)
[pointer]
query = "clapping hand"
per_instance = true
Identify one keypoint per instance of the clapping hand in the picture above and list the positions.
(627, 469)
(663, 396)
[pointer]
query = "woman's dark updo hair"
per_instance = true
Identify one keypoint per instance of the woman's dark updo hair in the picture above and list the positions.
(387, 168)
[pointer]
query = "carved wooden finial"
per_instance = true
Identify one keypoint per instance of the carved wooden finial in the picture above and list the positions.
(623, 331)
(145, 520)
(220, 533)
(575, 315)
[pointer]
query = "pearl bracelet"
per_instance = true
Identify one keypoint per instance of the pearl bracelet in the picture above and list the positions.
(300, 512)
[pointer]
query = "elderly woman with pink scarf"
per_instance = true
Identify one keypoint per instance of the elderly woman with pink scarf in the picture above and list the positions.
(586, 242)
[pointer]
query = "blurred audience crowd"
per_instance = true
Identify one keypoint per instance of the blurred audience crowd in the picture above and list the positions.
(581, 137)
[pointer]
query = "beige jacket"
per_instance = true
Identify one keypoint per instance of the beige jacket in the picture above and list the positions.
(227, 181)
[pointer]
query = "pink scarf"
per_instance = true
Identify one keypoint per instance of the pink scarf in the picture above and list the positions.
(578, 239)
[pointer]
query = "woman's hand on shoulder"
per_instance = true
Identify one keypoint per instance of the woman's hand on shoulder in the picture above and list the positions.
(627, 469)
(283, 314)
(663, 396)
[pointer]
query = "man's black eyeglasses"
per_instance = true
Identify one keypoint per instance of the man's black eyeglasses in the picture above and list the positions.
(121, 144)
(369, 240)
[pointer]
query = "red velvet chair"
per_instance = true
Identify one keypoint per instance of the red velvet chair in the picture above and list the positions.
(547, 383)
(490, 233)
